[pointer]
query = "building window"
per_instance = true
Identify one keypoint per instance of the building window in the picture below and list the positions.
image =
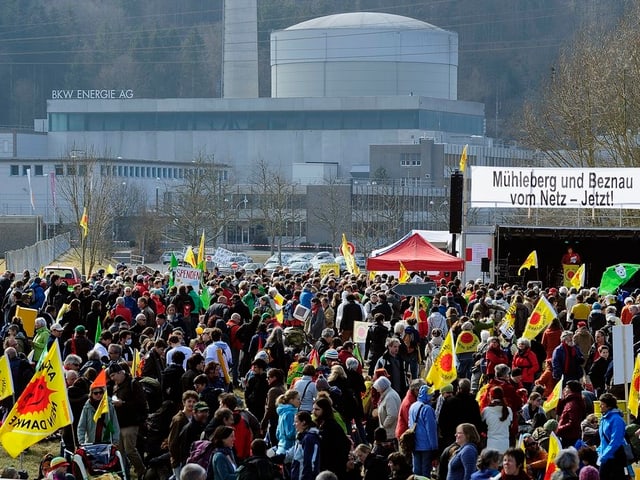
(59, 168)
(71, 170)
(39, 171)
(15, 170)
(410, 160)
(82, 170)
(25, 168)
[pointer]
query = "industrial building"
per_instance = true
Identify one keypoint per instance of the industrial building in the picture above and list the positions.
(353, 95)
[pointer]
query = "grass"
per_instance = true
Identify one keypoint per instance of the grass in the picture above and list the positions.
(30, 460)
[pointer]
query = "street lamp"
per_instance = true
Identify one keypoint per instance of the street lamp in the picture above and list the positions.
(236, 210)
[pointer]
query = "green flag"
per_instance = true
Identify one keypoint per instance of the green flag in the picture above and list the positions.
(172, 265)
(616, 275)
(205, 297)
(98, 330)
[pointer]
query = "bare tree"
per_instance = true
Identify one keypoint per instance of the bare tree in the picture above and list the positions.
(87, 185)
(587, 113)
(275, 195)
(200, 202)
(331, 208)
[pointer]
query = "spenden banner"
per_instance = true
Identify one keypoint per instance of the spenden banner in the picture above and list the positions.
(505, 187)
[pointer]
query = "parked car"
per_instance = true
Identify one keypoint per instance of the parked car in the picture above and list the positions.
(165, 258)
(300, 267)
(70, 275)
(251, 266)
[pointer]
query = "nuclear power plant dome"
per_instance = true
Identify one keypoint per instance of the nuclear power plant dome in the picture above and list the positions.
(364, 54)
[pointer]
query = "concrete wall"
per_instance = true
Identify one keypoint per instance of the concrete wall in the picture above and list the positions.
(328, 202)
(429, 154)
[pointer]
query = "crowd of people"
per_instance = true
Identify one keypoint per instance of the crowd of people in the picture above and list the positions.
(247, 385)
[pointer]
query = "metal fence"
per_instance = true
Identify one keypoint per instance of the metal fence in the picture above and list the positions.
(38, 255)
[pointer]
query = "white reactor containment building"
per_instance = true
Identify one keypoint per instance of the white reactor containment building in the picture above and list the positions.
(364, 54)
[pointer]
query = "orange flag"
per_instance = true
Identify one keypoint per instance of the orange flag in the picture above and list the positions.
(101, 380)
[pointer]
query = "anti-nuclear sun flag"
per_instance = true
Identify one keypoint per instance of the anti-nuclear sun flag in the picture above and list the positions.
(466, 342)
(541, 317)
(41, 410)
(444, 369)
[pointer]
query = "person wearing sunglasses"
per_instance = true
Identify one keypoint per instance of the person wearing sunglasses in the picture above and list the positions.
(106, 429)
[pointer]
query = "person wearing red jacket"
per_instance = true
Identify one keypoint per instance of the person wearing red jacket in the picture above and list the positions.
(495, 356)
(571, 410)
(409, 399)
(527, 361)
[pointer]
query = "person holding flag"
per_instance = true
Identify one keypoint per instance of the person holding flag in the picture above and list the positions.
(98, 421)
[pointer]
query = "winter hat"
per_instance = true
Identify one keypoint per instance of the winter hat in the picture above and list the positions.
(322, 385)
(331, 354)
(596, 307)
(448, 388)
(551, 425)
(382, 384)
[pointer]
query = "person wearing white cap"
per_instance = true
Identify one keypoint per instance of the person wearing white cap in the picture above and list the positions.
(56, 335)
(388, 407)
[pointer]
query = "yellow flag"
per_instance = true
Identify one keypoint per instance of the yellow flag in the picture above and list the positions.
(135, 363)
(443, 371)
(349, 260)
(223, 366)
(403, 277)
(6, 381)
(554, 448)
(103, 408)
(552, 402)
(42, 409)
(372, 275)
(190, 258)
(63, 309)
(279, 300)
(541, 317)
(466, 342)
(84, 223)
(634, 387)
(463, 158)
(530, 261)
(201, 249)
(110, 269)
(578, 277)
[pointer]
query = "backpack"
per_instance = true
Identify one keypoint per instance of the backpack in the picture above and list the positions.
(201, 453)
(256, 468)
(294, 337)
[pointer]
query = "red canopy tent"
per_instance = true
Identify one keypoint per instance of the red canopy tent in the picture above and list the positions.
(416, 254)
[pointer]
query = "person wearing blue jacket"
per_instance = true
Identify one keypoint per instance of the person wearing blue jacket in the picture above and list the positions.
(422, 419)
(288, 405)
(305, 464)
(611, 456)
(38, 294)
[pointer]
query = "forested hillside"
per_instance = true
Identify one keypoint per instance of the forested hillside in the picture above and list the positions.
(170, 48)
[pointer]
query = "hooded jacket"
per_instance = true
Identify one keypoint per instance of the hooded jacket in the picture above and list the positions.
(611, 434)
(286, 432)
(422, 415)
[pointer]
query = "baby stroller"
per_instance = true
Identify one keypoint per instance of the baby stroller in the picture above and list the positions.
(100, 460)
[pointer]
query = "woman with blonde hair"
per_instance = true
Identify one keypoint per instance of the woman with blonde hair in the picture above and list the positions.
(287, 407)
(463, 462)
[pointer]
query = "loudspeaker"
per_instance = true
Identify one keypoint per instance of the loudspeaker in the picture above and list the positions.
(484, 265)
(455, 203)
